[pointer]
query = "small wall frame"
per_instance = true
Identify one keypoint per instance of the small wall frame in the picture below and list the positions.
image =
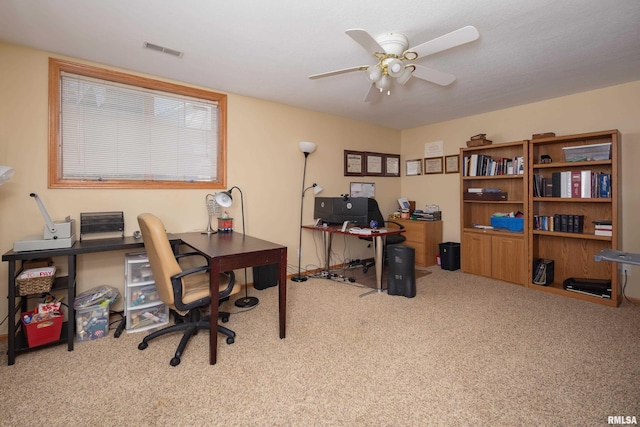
(392, 165)
(433, 165)
(452, 164)
(353, 163)
(413, 167)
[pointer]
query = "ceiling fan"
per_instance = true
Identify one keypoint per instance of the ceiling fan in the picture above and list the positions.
(396, 59)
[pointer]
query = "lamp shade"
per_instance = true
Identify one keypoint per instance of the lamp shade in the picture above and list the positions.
(6, 172)
(384, 83)
(374, 73)
(307, 147)
(224, 199)
(317, 189)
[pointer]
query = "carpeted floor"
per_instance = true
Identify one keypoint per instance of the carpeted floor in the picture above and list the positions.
(466, 350)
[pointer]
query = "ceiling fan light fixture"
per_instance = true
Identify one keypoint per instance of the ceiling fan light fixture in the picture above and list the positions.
(395, 68)
(374, 73)
(405, 75)
(384, 83)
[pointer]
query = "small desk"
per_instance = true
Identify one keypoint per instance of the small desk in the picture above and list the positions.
(377, 239)
(226, 251)
(231, 251)
(17, 342)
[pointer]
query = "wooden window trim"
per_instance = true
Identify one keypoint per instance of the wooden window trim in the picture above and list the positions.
(57, 66)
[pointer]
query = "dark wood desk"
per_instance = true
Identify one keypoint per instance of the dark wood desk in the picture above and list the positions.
(231, 251)
(226, 251)
(376, 237)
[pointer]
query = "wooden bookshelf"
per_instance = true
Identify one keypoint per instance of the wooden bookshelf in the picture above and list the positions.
(500, 254)
(573, 252)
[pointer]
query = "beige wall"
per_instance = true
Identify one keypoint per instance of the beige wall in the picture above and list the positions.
(616, 107)
(264, 161)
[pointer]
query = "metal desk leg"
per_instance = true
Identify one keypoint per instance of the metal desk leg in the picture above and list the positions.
(71, 298)
(327, 239)
(11, 282)
(378, 245)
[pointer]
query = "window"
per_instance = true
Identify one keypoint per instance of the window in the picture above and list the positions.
(112, 130)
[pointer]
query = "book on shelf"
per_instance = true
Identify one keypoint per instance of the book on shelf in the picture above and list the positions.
(604, 227)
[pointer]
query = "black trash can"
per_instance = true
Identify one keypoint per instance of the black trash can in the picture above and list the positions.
(265, 276)
(401, 263)
(450, 256)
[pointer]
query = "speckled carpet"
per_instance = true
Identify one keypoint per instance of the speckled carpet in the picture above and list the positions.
(465, 351)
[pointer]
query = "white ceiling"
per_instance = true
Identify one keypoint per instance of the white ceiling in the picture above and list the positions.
(528, 50)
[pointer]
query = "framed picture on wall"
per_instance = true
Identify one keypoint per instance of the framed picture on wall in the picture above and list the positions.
(391, 165)
(433, 165)
(353, 163)
(413, 167)
(373, 164)
(362, 189)
(452, 164)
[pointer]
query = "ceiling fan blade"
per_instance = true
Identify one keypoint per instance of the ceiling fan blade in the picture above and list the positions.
(336, 72)
(433, 76)
(372, 94)
(364, 39)
(455, 38)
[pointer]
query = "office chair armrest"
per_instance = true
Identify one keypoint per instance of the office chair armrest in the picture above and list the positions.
(223, 294)
(400, 226)
(232, 282)
(190, 271)
(189, 254)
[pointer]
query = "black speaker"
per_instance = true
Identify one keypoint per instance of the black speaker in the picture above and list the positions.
(401, 267)
(265, 276)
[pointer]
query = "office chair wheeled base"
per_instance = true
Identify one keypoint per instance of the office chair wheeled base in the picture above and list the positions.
(190, 324)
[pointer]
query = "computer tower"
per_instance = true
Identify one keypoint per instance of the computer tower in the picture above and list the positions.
(450, 256)
(265, 276)
(401, 278)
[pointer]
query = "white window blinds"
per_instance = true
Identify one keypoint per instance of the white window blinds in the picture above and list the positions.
(112, 131)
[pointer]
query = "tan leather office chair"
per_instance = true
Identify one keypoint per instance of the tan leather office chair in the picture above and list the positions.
(186, 292)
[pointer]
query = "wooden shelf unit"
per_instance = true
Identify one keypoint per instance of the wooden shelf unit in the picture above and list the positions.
(573, 253)
(499, 254)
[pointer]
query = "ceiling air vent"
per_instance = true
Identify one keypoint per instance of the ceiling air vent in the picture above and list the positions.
(163, 49)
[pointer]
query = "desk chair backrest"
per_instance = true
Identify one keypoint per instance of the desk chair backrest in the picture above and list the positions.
(161, 257)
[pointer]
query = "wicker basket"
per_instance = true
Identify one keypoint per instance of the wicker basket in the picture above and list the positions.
(35, 285)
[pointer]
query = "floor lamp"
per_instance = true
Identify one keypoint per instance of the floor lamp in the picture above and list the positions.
(225, 200)
(307, 148)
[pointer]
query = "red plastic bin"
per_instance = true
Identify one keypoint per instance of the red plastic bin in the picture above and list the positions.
(44, 331)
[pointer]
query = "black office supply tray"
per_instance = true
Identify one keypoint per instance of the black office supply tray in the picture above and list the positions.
(101, 222)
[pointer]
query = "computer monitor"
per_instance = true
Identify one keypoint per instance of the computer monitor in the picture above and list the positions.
(357, 210)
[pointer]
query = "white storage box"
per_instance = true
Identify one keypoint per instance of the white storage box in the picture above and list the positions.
(147, 317)
(584, 153)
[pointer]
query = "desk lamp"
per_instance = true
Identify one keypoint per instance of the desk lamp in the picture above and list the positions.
(307, 148)
(225, 200)
(6, 172)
